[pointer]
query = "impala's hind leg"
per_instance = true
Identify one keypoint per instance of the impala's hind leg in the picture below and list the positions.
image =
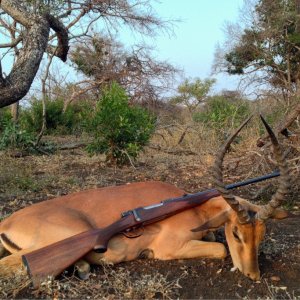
(195, 248)
(121, 248)
(13, 276)
(12, 265)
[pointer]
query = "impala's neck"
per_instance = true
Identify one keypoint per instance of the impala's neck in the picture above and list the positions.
(212, 208)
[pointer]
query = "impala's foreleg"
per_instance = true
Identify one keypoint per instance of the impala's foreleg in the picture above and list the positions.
(83, 269)
(195, 249)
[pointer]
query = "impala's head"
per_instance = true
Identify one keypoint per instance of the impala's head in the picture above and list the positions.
(244, 222)
(243, 242)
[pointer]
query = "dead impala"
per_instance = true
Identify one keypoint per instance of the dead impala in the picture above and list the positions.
(177, 237)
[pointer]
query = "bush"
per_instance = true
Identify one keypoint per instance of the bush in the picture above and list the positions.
(119, 130)
(13, 137)
(222, 114)
(5, 117)
(57, 121)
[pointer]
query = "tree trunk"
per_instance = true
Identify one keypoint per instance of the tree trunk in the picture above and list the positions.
(16, 85)
(15, 112)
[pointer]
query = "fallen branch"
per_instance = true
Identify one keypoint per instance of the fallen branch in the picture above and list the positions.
(176, 152)
(71, 146)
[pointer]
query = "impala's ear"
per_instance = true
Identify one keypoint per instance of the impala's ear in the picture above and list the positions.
(280, 214)
(214, 223)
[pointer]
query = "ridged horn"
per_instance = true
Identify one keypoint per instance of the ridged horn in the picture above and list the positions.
(242, 213)
(267, 210)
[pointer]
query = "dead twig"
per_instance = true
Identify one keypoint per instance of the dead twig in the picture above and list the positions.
(175, 152)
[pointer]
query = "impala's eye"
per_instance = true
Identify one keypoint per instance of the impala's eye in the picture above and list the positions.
(235, 235)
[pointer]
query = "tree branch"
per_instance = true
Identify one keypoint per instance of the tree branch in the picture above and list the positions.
(18, 82)
(16, 85)
(2, 81)
(62, 35)
(13, 43)
(15, 10)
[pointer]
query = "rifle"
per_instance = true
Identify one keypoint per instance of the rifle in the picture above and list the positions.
(53, 259)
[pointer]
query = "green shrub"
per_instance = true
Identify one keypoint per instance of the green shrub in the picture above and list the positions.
(277, 113)
(221, 114)
(57, 121)
(13, 137)
(119, 129)
(5, 117)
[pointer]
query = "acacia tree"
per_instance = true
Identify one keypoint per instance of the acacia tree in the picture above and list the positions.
(33, 27)
(104, 60)
(268, 47)
(192, 94)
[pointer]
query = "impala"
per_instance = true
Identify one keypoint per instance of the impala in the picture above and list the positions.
(177, 237)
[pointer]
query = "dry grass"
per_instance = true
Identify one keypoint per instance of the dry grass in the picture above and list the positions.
(12, 287)
(278, 292)
(116, 283)
(31, 179)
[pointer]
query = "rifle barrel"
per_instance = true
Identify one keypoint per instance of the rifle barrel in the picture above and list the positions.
(252, 180)
(228, 187)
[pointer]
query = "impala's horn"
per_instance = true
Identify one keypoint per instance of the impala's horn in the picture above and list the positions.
(267, 210)
(242, 213)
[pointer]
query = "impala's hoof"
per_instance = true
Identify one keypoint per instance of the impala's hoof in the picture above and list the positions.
(209, 237)
(83, 269)
(147, 253)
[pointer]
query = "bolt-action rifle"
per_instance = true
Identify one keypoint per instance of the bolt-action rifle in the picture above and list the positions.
(53, 259)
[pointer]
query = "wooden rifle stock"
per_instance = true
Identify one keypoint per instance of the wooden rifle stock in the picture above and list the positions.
(53, 259)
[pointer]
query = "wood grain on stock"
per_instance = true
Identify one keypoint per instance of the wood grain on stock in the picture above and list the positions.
(55, 258)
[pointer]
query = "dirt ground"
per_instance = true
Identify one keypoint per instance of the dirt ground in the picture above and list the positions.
(31, 179)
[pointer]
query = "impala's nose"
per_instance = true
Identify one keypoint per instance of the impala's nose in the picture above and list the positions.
(254, 276)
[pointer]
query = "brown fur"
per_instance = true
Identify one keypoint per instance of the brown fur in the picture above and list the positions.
(47, 222)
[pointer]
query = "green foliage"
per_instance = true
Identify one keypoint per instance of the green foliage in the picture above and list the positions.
(120, 130)
(271, 44)
(13, 137)
(57, 121)
(274, 113)
(193, 93)
(5, 117)
(221, 114)
(92, 59)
